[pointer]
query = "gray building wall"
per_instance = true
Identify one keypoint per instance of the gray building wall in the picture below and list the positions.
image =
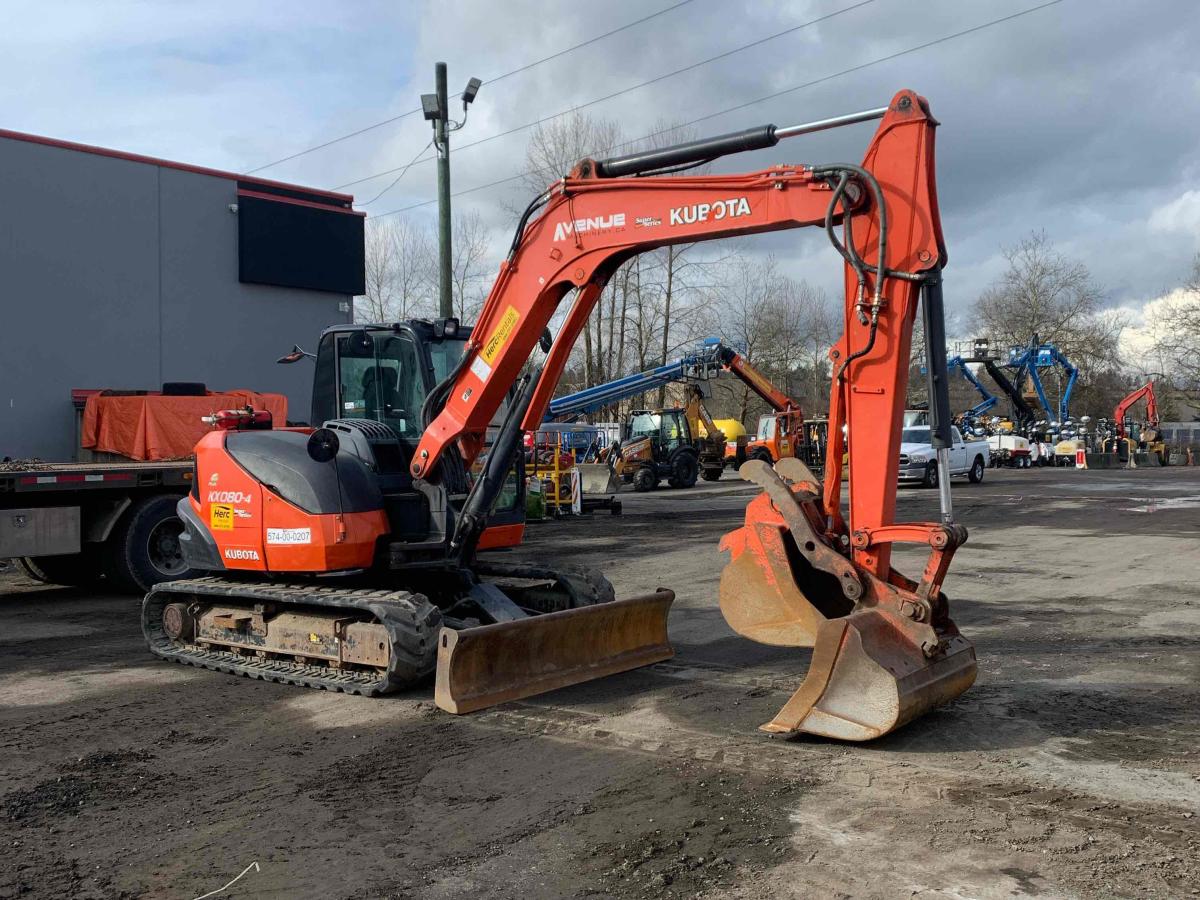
(123, 274)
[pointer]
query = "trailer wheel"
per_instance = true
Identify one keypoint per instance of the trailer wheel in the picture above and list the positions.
(710, 474)
(70, 570)
(143, 549)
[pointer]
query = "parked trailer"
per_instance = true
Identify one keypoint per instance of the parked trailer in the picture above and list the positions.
(73, 523)
(180, 271)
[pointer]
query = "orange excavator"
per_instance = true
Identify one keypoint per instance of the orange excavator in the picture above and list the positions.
(781, 433)
(345, 558)
(1145, 392)
(1148, 437)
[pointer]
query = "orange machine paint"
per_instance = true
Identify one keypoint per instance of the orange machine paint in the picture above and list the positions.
(257, 530)
(501, 536)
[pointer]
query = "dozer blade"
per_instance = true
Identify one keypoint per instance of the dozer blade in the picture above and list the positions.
(491, 664)
(867, 679)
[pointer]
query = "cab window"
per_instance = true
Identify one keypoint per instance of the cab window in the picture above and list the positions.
(383, 381)
(645, 424)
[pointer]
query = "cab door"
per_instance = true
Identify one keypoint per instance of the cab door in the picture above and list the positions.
(958, 451)
(785, 438)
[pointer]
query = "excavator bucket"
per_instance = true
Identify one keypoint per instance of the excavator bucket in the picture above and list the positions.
(491, 664)
(874, 666)
(866, 679)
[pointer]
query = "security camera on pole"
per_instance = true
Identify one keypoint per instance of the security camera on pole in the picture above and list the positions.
(436, 108)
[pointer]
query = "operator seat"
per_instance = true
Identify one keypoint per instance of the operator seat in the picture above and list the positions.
(379, 392)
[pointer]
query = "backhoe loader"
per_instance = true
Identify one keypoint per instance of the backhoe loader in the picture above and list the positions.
(345, 558)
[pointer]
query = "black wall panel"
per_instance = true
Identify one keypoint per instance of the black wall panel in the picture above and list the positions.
(291, 245)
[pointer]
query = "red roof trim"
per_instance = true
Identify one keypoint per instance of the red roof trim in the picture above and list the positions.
(279, 198)
(165, 163)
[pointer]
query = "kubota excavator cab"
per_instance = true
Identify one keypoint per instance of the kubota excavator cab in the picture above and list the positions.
(384, 373)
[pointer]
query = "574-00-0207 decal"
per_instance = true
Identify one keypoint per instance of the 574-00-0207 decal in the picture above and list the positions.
(289, 535)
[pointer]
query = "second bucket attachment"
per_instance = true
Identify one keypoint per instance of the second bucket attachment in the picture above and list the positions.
(865, 680)
(884, 652)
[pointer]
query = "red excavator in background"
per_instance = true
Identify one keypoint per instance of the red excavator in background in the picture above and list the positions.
(1145, 392)
(1148, 437)
(782, 433)
(346, 558)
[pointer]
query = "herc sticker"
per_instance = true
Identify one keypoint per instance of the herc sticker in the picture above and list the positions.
(220, 517)
(500, 336)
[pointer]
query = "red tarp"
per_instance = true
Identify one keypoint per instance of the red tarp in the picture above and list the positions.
(154, 427)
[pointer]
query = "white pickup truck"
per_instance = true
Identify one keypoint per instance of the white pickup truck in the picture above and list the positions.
(918, 461)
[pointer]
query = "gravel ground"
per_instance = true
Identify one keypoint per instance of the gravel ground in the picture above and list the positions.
(1071, 769)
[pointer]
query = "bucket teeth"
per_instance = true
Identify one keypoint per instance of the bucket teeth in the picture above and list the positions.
(866, 680)
(875, 664)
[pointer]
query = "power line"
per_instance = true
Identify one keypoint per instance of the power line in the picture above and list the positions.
(794, 88)
(396, 180)
(516, 71)
(631, 88)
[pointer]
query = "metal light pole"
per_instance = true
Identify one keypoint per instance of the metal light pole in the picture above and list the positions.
(436, 108)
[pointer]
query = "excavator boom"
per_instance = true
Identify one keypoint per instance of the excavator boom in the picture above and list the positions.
(1146, 392)
(757, 381)
(801, 573)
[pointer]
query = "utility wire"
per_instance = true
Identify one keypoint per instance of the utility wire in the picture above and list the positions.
(721, 112)
(517, 71)
(396, 180)
(627, 90)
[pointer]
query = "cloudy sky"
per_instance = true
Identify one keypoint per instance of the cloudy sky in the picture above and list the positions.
(1081, 118)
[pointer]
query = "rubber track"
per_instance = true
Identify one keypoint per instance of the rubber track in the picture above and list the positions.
(412, 623)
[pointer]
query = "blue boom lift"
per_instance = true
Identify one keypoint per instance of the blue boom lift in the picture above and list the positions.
(958, 364)
(1026, 361)
(703, 362)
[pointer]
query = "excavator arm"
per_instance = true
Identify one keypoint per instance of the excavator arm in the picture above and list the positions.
(1146, 391)
(592, 223)
(800, 573)
(958, 364)
(757, 381)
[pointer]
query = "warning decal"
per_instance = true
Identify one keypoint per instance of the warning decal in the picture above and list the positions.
(220, 517)
(500, 336)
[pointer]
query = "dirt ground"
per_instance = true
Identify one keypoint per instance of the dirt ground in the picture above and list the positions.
(1071, 769)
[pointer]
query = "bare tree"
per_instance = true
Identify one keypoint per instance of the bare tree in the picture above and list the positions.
(415, 269)
(469, 271)
(1176, 332)
(784, 328)
(555, 146)
(1046, 294)
(399, 264)
(553, 150)
(380, 269)
(1043, 292)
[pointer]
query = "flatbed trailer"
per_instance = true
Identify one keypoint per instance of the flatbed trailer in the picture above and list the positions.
(72, 523)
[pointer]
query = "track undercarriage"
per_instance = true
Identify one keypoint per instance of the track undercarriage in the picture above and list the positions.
(366, 639)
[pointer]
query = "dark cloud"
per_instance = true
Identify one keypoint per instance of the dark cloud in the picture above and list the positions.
(1080, 119)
